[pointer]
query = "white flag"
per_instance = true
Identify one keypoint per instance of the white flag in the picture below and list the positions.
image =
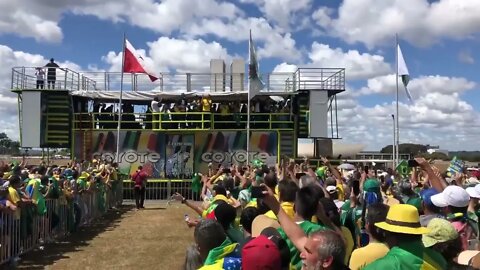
(255, 83)
(403, 71)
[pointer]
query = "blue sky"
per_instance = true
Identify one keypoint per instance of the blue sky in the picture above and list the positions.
(438, 40)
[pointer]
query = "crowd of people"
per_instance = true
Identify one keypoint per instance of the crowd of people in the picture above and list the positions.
(187, 113)
(294, 216)
(27, 192)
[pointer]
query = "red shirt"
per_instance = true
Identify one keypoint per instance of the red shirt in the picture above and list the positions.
(140, 178)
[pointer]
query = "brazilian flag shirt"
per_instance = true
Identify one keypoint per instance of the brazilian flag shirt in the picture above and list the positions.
(409, 256)
(225, 256)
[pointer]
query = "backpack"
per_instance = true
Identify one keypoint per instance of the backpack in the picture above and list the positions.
(467, 233)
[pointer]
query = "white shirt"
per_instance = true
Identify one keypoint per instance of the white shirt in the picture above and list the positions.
(154, 106)
(40, 75)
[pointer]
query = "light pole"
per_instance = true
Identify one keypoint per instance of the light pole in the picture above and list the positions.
(393, 145)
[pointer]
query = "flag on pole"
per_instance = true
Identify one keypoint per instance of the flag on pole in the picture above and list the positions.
(134, 63)
(256, 83)
(403, 71)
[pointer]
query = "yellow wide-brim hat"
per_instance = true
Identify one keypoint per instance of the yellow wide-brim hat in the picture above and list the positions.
(403, 218)
(84, 175)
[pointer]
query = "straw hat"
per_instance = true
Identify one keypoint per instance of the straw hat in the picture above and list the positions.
(402, 218)
(261, 222)
(84, 175)
(469, 257)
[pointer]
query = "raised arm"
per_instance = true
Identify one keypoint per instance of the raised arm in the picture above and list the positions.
(436, 181)
(333, 170)
(292, 229)
(188, 203)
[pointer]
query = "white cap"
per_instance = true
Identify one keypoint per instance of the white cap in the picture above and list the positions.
(472, 180)
(339, 204)
(331, 189)
(451, 196)
(474, 192)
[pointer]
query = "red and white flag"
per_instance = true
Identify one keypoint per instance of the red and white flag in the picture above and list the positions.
(133, 62)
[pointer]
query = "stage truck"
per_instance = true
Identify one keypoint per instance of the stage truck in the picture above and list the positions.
(81, 113)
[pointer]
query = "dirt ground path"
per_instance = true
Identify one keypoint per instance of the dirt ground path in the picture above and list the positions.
(152, 238)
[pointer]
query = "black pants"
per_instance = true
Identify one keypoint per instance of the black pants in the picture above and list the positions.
(139, 193)
(40, 84)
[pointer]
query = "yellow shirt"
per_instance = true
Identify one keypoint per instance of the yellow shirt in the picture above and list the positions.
(368, 254)
(287, 207)
(206, 104)
(14, 198)
(277, 193)
(349, 243)
(341, 192)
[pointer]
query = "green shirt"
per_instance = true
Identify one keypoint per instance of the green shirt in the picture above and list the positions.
(349, 218)
(409, 256)
(308, 228)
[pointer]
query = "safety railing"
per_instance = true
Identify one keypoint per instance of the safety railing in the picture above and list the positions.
(332, 79)
(184, 121)
(27, 78)
(162, 189)
(25, 230)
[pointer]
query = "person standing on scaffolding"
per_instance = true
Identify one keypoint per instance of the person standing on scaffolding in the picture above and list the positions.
(51, 73)
(40, 74)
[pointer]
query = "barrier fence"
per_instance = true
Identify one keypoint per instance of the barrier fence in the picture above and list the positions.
(162, 189)
(25, 230)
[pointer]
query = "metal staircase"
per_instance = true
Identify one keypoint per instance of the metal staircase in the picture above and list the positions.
(57, 115)
(302, 115)
(87, 143)
(287, 143)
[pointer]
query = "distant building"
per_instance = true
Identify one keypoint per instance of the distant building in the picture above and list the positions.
(436, 150)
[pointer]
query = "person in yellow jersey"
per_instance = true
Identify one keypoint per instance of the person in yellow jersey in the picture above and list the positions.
(206, 109)
(376, 248)
(286, 195)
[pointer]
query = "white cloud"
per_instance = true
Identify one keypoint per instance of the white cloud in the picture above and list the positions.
(323, 16)
(421, 23)
(418, 87)
(187, 55)
(465, 57)
(357, 65)
(29, 19)
(284, 12)
(163, 17)
(171, 54)
(191, 18)
(40, 19)
(438, 115)
(450, 123)
(284, 67)
(8, 100)
(276, 43)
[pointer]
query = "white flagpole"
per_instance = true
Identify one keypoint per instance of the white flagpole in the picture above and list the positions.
(397, 111)
(393, 144)
(248, 99)
(120, 101)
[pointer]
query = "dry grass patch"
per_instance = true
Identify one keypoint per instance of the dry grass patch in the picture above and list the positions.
(153, 238)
